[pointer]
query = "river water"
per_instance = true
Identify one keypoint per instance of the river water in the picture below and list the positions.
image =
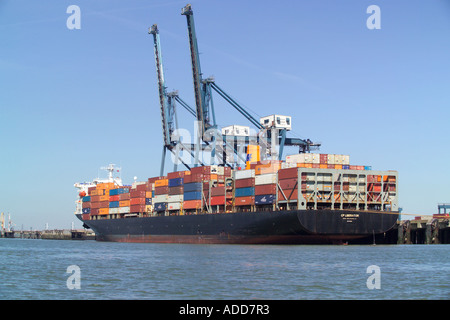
(64, 269)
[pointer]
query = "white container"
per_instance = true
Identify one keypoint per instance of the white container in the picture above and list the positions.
(269, 178)
(175, 198)
(331, 159)
(174, 206)
(315, 157)
(285, 165)
(243, 174)
(160, 198)
(114, 210)
(124, 209)
(296, 158)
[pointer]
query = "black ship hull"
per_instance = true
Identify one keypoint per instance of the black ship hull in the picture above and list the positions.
(262, 227)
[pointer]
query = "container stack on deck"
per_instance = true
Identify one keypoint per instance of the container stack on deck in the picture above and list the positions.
(303, 181)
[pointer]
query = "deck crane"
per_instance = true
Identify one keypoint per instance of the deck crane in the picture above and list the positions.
(168, 110)
(205, 106)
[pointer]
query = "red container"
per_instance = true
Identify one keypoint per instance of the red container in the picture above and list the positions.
(85, 216)
(218, 200)
(95, 205)
(288, 183)
(104, 204)
(265, 189)
(124, 196)
(158, 191)
(94, 211)
(316, 165)
(176, 174)
(194, 177)
(330, 166)
(218, 191)
(137, 208)
(114, 198)
(290, 195)
(141, 187)
(152, 180)
(134, 201)
(176, 190)
(244, 183)
(244, 201)
(95, 198)
(204, 169)
(90, 190)
(324, 158)
(287, 173)
(227, 171)
(86, 205)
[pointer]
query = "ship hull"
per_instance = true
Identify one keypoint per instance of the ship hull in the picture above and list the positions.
(263, 227)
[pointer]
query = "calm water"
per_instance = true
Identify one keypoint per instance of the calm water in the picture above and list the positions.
(37, 269)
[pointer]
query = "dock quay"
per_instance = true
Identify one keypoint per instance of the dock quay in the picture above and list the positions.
(420, 230)
(56, 234)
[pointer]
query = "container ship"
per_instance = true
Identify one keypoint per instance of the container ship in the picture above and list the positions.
(307, 199)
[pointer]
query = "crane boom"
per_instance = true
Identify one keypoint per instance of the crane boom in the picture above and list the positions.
(199, 90)
(166, 117)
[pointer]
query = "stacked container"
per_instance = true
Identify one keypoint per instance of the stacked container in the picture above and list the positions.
(137, 198)
(265, 188)
(161, 195)
(244, 187)
(288, 182)
(176, 190)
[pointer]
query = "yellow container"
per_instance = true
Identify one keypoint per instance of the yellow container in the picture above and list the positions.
(124, 203)
(162, 183)
(103, 211)
(338, 166)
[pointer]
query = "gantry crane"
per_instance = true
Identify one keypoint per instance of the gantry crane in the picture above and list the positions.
(167, 106)
(205, 106)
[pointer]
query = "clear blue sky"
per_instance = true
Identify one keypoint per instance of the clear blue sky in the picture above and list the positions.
(72, 101)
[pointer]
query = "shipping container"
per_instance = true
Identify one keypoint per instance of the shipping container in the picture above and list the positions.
(291, 194)
(175, 198)
(137, 193)
(290, 183)
(153, 179)
(243, 174)
(218, 191)
(148, 201)
(86, 210)
(174, 205)
(148, 194)
(244, 183)
(217, 200)
(103, 211)
(86, 199)
(176, 190)
(160, 198)
(269, 178)
(192, 195)
(175, 182)
(161, 183)
(124, 209)
(264, 199)
(85, 216)
(137, 208)
(244, 201)
(94, 211)
(114, 210)
(124, 203)
(137, 201)
(159, 191)
(104, 198)
(114, 204)
(85, 205)
(266, 189)
(287, 173)
(177, 174)
(244, 192)
(194, 186)
(124, 196)
(192, 204)
(114, 198)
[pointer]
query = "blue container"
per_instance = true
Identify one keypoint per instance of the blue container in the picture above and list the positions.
(192, 195)
(265, 199)
(86, 210)
(345, 166)
(367, 168)
(194, 186)
(114, 204)
(153, 193)
(244, 192)
(148, 201)
(114, 192)
(160, 206)
(87, 199)
(175, 182)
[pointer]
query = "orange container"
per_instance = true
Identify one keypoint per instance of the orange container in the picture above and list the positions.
(308, 165)
(213, 177)
(103, 211)
(338, 166)
(94, 192)
(148, 194)
(161, 182)
(124, 203)
(323, 166)
(192, 204)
